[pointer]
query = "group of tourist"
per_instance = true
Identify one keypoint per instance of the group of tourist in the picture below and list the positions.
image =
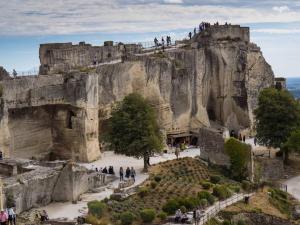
(168, 40)
(8, 217)
(182, 217)
(110, 170)
(129, 173)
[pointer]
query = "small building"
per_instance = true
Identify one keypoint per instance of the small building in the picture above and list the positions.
(280, 83)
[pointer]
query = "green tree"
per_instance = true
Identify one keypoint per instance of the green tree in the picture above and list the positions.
(239, 155)
(277, 115)
(292, 144)
(133, 129)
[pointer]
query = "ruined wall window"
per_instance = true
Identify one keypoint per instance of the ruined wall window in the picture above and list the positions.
(69, 119)
(109, 55)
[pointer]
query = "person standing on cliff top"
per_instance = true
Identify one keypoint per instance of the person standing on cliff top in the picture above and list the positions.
(155, 42)
(121, 172)
(195, 31)
(190, 35)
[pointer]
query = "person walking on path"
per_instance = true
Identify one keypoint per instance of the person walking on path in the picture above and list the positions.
(190, 35)
(163, 43)
(11, 216)
(3, 217)
(121, 172)
(255, 141)
(127, 175)
(177, 152)
(132, 174)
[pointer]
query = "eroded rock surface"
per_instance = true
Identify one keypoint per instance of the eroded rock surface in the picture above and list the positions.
(216, 76)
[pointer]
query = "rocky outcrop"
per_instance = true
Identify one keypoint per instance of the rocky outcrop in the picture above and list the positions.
(216, 76)
(36, 185)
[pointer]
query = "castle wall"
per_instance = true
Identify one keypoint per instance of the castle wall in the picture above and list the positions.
(59, 58)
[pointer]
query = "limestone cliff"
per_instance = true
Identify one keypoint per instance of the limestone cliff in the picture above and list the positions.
(216, 76)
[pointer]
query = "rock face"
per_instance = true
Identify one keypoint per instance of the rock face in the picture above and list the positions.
(38, 185)
(216, 76)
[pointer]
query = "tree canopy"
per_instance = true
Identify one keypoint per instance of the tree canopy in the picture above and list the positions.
(277, 116)
(133, 129)
(292, 144)
(239, 154)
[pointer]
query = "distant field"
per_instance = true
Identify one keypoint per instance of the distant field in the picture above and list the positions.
(293, 85)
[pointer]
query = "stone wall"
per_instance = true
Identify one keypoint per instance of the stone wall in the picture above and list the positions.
(269, 169)
(63, 57)
(264, 219)
(212, 147)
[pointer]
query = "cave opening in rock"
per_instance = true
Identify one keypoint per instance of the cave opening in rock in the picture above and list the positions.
(71, 114)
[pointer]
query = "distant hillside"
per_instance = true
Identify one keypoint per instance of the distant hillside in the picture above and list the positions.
(293, 85)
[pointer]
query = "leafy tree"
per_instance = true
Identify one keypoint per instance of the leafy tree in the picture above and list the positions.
(277, 115)
(292, 144)
(239, 155)
(133, 129)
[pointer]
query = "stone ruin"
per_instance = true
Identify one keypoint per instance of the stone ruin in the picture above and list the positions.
(61, 113)
(33, 184)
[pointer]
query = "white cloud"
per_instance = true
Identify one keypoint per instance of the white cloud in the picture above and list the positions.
(277, 31)
(173, 1)
(281, 9)
(44, 17)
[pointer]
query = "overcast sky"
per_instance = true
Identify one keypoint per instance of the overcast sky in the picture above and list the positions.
(24, 24)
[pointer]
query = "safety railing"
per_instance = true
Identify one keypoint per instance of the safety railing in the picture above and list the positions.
(212, 211)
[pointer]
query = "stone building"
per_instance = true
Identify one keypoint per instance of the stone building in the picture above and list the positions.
(280, 82)
(61, 113)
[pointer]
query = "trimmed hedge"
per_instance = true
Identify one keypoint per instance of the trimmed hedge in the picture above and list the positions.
(215, 179)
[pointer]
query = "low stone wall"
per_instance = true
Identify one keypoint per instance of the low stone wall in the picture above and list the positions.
(269, 169)
(212, 147)
(264, 219)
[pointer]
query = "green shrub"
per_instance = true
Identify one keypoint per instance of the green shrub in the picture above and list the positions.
(246, 185)
(183, 209)
(239, 155)
(157, 178)
(206, 185)
(153, 185)
(241, 222)
(189, 203)
(221, 192)
(226, 222)
(206, 195)
(115, 197)
(235, 188)
(96, 208)
(90, 219)
(162, 216)
(126, 218)
(143, 191)
(171, 206)
(215, 179)
(147, 215)
(203, 203)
